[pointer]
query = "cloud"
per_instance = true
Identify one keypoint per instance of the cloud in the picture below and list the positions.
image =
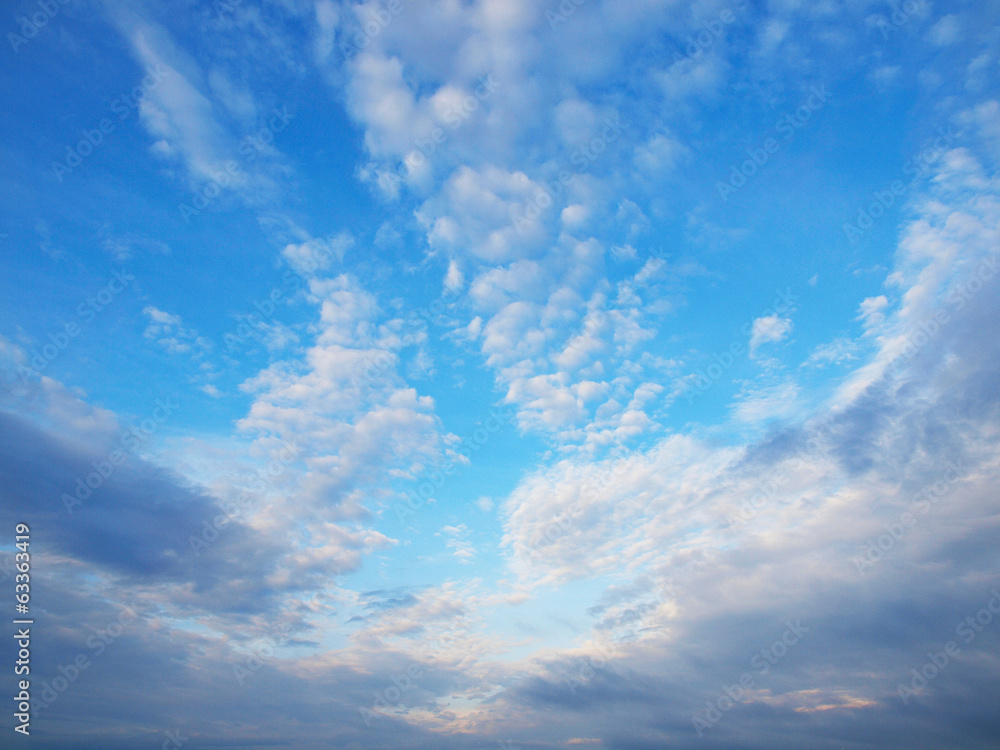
(836, 352)
(458, 541)
(485, 504)
(347, 404)
(649, 559)
(167, 330)
(768, 329)
(307, 258)
(768, 402)
(947, 30)
(871, 311)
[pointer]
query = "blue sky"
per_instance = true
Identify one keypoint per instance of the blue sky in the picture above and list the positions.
(450, 374)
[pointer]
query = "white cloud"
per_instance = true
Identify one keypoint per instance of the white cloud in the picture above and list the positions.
(759, 404)
(458, 542)
(346, 405)
(871, 312)
(768, 329)
(485, 504)
(168, 331)
(314, 255)
(454, 279)
(836, 352)
(947, 30)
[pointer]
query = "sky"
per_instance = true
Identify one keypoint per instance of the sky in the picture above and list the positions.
(464, 374)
